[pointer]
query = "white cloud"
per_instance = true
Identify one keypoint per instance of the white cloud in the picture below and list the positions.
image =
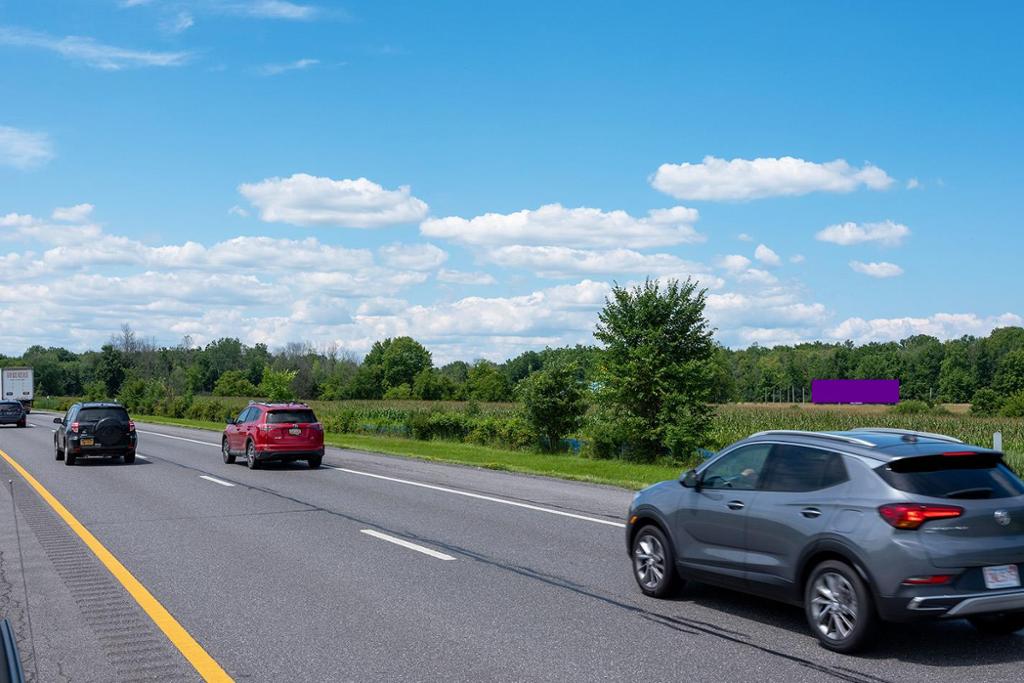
(73, 214)
(90, 51)
(551, 261)
(881, 269)
(556, 225)
(236, 210)
(23, 149)
(767, 256)
(886, 233)
(460, 277)
(757, 276)
(734, 263)
(297, 65)
(797, 258)
(941, 325)
(744, 237)
(272, 9)
(303, 199)
(180, 22)
(412, 256)
(718, 179)
(913, 184)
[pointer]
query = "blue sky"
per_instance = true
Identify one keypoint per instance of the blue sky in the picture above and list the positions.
(215, 150)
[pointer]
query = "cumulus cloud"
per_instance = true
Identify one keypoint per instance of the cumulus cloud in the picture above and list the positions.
(91, 52)
(744, 237)
(717, 179)
(886, 233)
(941, 325)
(551, 261)
(461, 277)
(767, 256)
(881, 269)
(273, 9)
(73, 214)
(555, 225)
(412, 256)
(913, 184)
(797, 258)
(23, 149)
(303, 199)
(734, 263)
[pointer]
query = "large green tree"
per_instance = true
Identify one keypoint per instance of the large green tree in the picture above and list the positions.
(655, 379)
(554, 401)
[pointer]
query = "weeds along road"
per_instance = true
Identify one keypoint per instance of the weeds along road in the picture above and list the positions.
(380, 568)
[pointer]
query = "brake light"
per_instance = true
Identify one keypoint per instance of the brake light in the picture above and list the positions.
(937, 580)
(957, 454)
(131, 425)
(911, 515)
(317, 427)
(74, 427)
(264, 427)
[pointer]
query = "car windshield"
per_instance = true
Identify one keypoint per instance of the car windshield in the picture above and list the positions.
(290, 416)
(982, 475)
(97, 414)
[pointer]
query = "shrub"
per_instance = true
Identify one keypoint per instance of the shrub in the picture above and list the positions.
(1013, 406)
(398, 393)
(95, 391)
(234, 383)
(986, 402)
(911, 407)
(554, 403)
(276, 385)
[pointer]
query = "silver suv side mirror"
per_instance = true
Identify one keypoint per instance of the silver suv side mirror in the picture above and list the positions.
(691, 480)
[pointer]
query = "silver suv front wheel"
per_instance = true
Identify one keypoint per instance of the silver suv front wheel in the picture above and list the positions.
(654, 563)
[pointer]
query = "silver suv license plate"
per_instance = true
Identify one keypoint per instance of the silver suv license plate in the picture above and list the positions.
(1003, 576)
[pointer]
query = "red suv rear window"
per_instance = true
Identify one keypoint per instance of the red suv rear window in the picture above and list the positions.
(289, 416)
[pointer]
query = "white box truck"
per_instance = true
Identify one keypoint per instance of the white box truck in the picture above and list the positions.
(18, 384)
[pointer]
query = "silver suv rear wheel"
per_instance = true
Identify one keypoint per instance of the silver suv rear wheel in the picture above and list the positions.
(838, 606)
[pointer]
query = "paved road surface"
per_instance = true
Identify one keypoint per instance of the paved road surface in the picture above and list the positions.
(290, 574)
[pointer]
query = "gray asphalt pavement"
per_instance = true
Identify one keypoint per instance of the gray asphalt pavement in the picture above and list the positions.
(274, 574)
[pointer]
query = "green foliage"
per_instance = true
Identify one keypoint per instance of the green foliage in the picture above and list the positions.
(655, 379)
(110, 370)
(96, 391)
(431, 385)
(485, 382)
(911, 407)
(1013, 406)
(234, 383)
(1009, 377)
(398, 393)
(554, 403)
(276, 385)
(399, 360)
(986, 402)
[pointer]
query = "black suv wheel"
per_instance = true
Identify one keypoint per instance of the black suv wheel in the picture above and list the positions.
(838, 607)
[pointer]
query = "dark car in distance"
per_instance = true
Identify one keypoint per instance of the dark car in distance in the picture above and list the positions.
(856, 526)
(12, 413)
(94, 430)
(283, 432)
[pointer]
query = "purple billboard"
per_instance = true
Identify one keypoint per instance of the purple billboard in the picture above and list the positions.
(855, 391)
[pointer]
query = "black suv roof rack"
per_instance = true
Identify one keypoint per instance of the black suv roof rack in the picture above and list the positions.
(821, 435)
(908, 432)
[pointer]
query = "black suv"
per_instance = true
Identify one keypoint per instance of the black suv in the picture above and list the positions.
(94, 429)
(12, 413)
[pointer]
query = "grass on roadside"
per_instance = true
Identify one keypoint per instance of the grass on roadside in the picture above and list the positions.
(612, 472)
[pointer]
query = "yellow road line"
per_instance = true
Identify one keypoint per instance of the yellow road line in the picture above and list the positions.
(204, 664)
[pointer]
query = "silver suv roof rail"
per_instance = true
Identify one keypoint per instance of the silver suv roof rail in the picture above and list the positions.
(908, 432)
(821, 435)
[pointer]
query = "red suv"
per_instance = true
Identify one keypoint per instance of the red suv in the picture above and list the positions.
(284, 432)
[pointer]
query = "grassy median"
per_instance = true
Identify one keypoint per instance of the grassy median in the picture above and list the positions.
(613, 472)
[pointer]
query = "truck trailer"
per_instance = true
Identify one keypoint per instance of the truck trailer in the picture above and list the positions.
(18, 384)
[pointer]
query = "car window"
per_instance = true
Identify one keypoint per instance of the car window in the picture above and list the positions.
(972, 476)
(801, 468)
(99, 413)
(290, 416)
(740, 469)
(242, 416)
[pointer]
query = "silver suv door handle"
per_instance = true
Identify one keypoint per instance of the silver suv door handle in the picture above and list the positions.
(811, 513)
(735, 505)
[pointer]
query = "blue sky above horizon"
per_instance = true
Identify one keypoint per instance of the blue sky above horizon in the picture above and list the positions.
(477, 174)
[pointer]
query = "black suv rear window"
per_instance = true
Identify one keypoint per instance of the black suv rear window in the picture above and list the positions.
(282, 416)
(982, 475)
(97, 414)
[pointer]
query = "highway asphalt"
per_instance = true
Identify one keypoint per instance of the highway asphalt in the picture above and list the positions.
(291, 574)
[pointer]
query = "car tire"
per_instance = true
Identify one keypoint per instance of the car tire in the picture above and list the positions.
(58, 453)
(225, 452)
(250, 456)
(998, 624)
(129, 458)
(654, 563)
(69, 459)
(839, 607)
(314, 463)
(21, 425)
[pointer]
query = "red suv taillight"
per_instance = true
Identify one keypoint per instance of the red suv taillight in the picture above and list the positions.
(912, 515)
(316, 426)
(74, 427)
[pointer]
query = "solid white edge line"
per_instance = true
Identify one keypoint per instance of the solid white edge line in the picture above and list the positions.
(407, 544)
(443, 489)
(478, 496)
(215, 480)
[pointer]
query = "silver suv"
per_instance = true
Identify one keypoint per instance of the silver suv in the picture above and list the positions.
(855, 526)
